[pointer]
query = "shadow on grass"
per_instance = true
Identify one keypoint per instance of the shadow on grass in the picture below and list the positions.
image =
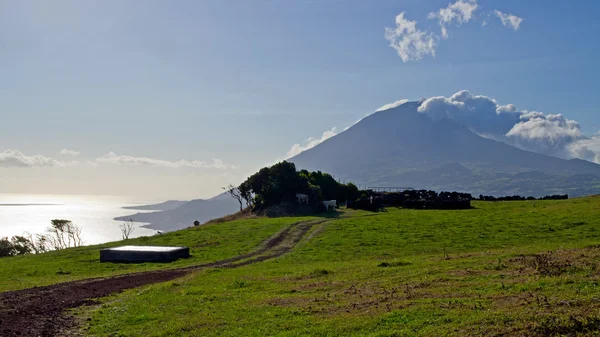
(329, 214)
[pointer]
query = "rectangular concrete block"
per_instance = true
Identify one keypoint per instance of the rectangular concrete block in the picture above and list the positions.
(139, 254)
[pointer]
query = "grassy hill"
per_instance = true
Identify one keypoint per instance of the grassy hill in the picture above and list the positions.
(207, 244)
(506, 268)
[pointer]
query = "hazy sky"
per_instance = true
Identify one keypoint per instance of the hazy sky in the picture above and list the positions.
(177, 98)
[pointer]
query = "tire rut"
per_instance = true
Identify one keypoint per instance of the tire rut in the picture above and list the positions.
(39, 311)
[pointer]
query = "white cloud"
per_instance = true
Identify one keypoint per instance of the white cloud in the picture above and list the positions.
(66, 152)
(311, 142)
(506, 108)
(409, 42)
(14, 158)
(550, 134)
(456, 13)
(113, 158)
(547, 134)
(509, 20)
(392, 105)
(536, 126)
(480, 113)
(587, 148)
(412, 44)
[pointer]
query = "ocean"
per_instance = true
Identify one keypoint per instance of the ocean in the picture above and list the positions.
(32, 213)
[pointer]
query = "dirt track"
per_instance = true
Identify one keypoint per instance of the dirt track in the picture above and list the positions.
(40, 311)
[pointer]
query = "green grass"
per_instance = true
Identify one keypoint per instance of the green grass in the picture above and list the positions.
(484, 271)
(207, 244)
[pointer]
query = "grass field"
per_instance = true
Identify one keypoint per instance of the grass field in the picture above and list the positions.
(207, 244)
(507, 268)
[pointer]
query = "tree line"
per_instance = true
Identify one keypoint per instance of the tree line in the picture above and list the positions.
(60, 234)
(414, 199)
(521, 198)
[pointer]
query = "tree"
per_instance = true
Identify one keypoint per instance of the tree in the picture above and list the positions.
(281, 182)
(6, 248)
(21, 245)
(127, 228)
(17, 245)
(246, 193)
(63, 234)
(272, 185)
(37, 242)
(235, 193)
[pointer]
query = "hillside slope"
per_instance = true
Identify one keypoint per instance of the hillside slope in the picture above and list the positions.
(501, 268)
(505, 268)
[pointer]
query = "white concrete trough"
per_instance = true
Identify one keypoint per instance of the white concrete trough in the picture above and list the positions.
(139, 254)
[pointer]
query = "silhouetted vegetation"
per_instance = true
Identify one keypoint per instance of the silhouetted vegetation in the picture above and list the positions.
(126, 228)
(60, 234)
(17, 245)
(63, 234)
(414, 199)
(281, 182)
(427, 199)
(234, 192)
(520, 198)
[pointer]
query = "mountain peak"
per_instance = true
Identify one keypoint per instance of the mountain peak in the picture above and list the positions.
(383, 146)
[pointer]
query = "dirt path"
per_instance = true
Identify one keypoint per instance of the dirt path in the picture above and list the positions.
(40, 311)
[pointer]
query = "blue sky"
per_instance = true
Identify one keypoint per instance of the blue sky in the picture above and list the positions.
(243, 81)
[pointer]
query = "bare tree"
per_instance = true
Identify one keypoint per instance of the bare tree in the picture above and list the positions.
(127, 228)
(235, 193)
(74, 234)
(37, 242)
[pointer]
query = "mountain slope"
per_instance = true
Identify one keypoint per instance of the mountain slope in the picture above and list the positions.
(184, 216)
(395, 146)
(163, 206)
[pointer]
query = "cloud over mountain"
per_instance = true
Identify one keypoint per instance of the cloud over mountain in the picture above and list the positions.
(311, 142)
(551, 134)
(586, 148)
(392, 105)
(482, 114)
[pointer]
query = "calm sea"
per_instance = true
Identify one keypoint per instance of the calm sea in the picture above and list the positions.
(21, 213)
